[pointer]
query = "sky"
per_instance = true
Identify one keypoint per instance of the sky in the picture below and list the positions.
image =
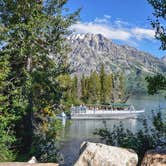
(123, 21)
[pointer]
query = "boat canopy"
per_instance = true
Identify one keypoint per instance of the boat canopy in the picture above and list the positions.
(111, 104)
(120, 105)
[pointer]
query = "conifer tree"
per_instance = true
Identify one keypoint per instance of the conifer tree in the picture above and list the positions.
(121, 87)
(109, 88)
(6, 116)
(74, 90)
(94, 88)
(103, 83)
(83, 89)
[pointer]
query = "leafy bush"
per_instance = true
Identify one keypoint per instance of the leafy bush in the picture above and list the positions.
(45, 144)
(140, 141)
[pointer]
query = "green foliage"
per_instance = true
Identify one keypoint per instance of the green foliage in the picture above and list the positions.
(94, 87)
(136, 84)
(69, 86)
(158, 23)
(45, 140)
(6, 140)
(140, 141)
(160, 123)
(74, 89)
(33, 35)
(122, 86)
(84, 89)
(88, 89)
(103, 87)
(156, 83)
(6, 117)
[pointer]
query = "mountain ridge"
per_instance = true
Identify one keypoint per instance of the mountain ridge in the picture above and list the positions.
(164, 58)
(89, 51)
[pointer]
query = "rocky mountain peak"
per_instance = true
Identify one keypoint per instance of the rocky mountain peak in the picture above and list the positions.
(89, 51)
(88, 36)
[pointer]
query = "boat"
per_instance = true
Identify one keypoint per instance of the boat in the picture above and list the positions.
(111, 111)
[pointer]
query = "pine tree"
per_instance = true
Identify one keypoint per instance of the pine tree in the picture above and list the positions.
(75, 88)
(109, 88)
(6, 117)
(94, 88)
(65, 82)
(103, 87)
(83, 89)
(121, 87)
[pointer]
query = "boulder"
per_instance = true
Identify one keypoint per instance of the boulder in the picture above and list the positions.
(154, 158)
(96, 154)
(33, 160)
(26, 164)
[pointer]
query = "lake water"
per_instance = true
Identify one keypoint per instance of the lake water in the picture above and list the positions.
(82, 130)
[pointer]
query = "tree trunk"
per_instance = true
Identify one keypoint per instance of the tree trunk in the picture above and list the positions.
(28, 118)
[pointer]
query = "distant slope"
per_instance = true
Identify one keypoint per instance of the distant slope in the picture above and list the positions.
(164, 58)
(89, 51)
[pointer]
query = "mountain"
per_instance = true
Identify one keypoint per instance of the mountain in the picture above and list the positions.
(164, 58)
(89, 51)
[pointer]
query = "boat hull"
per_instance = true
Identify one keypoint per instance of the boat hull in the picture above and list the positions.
(90, 114)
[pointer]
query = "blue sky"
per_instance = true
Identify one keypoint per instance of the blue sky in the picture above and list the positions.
(123, 21)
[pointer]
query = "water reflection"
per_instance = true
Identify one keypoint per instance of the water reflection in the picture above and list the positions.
(85, 128)
(64, 121)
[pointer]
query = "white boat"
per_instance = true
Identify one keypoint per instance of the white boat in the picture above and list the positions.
(112, 111)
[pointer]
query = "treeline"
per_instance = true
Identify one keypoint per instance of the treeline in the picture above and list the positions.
(97, 88)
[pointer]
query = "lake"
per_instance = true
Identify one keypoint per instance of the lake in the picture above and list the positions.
(78, 131)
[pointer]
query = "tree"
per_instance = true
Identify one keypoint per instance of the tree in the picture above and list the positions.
(6, 117)
(33, 35)
(156, 83)
(103, 87)
(109, 88)
(118, 90)
(121, 87)
(94, 88)
(83, 89)
(66, 83)
(74, 89)
(158, 21)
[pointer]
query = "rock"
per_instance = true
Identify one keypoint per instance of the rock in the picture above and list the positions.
(33, 160)
(95, 154)
(155, 158)
(26, 164)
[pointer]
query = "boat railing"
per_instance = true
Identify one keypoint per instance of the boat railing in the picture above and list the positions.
(78, 109)
(82, 109)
